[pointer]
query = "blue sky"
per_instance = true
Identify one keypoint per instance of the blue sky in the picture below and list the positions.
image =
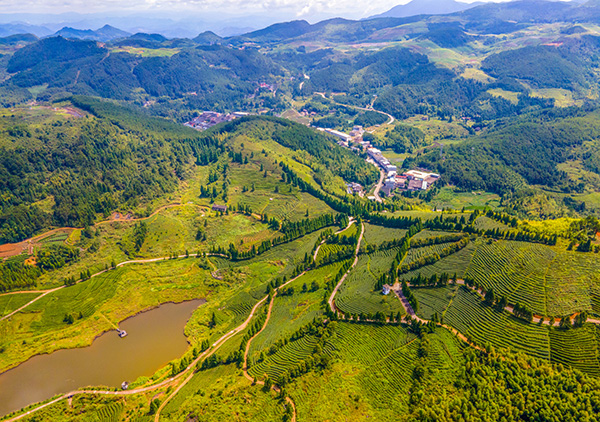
(299, 8)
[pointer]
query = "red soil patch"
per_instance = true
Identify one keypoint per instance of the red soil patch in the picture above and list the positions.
(12, 249)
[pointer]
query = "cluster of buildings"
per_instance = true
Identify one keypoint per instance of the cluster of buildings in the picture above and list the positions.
(354, 188)
(210, 118)
(412, 180)
(416, 180)
(347, 139)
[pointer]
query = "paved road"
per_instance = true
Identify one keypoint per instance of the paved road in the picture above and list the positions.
(370, 108)
(379, 185)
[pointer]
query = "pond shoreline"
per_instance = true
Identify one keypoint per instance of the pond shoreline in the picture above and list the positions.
(14, 366)
(155, 337)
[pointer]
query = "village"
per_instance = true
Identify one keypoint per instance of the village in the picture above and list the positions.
(409, 181)
(208, 119)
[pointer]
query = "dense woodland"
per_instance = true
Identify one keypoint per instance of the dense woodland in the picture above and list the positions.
(91, 166)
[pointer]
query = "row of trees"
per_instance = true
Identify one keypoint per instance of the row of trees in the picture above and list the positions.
(433, 281)
(434, 257)
(291, 232)
(409, 295)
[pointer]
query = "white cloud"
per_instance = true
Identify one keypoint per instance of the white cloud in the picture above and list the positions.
(297, 7)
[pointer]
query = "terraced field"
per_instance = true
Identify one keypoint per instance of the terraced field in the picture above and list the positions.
(219, 393)
(327, 249)
(292, 312)
(432, 300)
(577, 348)
(375, 235)
(469, 315)
(285, 359)
(111, 412)
(455, 263)
(380, 262)
(368, 343)
(573, 283)
(516, 270)
(415, 254)
(357, 294)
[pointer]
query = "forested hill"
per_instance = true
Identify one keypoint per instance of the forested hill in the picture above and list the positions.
(206, 75)
(310, 148)
(57, 171)
(73, 171)
(527, 150)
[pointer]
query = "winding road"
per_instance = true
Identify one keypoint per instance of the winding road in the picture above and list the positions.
(337, 287)
(226, 337)
(189, 371)
(389, 116)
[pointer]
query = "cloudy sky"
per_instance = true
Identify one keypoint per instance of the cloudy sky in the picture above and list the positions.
(299, 8)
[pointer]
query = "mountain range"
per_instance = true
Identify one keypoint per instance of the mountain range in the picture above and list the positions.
(426, 7)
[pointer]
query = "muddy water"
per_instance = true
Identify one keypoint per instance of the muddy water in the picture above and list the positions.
(154, 338)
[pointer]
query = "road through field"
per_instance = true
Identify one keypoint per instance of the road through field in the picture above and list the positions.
(337, 287)
(226, 337)
(189, 371)
(45, 292)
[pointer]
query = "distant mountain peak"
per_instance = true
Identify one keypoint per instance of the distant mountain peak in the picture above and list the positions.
(106, 33)
(426, 7)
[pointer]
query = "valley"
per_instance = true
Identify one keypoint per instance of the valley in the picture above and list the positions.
(393, 218)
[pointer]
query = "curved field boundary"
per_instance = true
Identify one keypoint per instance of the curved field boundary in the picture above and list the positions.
(8, 250)
(337, 287)
(220, 342)
(45, 292)
(350, 222)
(215, 346)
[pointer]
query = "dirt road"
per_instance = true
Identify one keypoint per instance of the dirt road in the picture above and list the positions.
(337, 287)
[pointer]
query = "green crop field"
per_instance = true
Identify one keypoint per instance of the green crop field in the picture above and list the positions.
(375, 235)
(215, 394)
(583, 357)
(516, 270)
(426, 234)
(292, 312)
(9, 303)
(285, 358)
(380, 262)
(573, 283)
(415, 254)
(484, 325)
(456, 263)
(357, 294)
(432, 300)
(486, 223)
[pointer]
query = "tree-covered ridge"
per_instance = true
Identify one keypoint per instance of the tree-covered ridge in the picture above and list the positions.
(208, 75)
(542, 66)
(526, 150)
(311, 148)
(91, 166)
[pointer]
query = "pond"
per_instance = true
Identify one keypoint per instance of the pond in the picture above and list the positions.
(153, 339)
